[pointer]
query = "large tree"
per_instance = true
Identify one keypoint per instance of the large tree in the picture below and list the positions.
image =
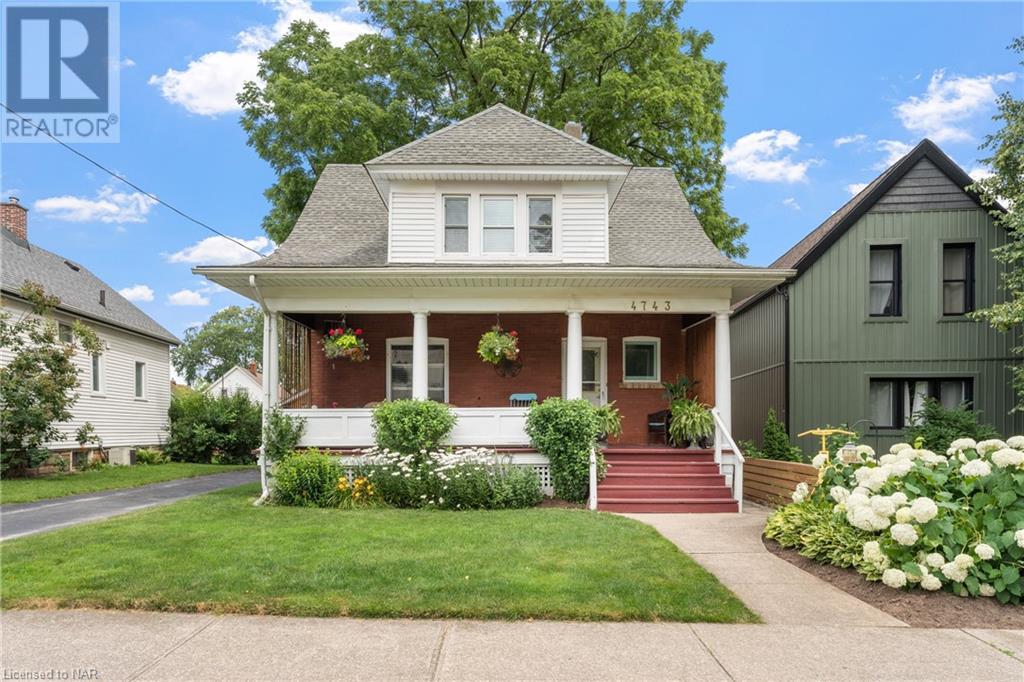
(639, 83)
(232, 336)
(1006, 186)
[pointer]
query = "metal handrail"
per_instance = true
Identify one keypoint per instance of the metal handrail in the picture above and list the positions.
(737, 476)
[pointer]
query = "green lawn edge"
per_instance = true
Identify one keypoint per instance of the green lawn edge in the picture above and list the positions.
(53, 486)
(217, 553)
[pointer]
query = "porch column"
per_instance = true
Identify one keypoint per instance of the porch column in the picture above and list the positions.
(272, 362)
(574, 355)
(723, 369)
(420, 356)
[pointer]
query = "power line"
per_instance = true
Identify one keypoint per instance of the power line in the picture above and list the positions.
(131, 184)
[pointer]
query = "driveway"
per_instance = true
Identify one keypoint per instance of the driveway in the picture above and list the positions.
(37, 517)
(178, 646)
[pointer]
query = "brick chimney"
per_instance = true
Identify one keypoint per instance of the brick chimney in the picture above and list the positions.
(575, 129)
(14, 218)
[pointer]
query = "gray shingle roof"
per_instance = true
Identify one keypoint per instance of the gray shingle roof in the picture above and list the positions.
(499, 135)
(78, 290)
(651, 224)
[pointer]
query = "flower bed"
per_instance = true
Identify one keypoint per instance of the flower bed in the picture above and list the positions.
(917, 519)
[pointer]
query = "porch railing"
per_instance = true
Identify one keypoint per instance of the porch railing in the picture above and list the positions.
(734, 457)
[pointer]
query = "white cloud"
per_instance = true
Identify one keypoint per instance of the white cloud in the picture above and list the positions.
(791, 203)
(764, 157)
(855, 188)
(894, 151)
(126, 63)
(948, 104)
(108, 206)
(208, 85)
(187, 297)
(849, 139)
(137, 292)
(221, 251)
(980, 173)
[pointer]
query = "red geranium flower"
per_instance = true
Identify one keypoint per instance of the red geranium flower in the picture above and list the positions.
(513, 333)
(359, 332)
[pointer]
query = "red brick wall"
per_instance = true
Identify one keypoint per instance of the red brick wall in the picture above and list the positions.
(473, 383)
(14, 218)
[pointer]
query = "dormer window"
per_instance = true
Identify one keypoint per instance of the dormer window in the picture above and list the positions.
(541, 227)
(499, 224)
(456, 224)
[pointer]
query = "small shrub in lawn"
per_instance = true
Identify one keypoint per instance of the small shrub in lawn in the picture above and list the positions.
(566, 431)
(516, 488)
(917, 519)
(775, 442)
(937, 426)
(282, 434)
(307, 479)
(207, 429)
(411, 426)
(150, 456)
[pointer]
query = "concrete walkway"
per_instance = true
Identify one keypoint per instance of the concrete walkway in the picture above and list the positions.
(36, 517)
(730, 547)
(172, 646)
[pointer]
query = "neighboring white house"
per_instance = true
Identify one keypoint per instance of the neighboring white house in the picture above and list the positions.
(125, 391)
(247, 380)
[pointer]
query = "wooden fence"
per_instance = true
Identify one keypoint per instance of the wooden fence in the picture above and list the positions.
(771, 482)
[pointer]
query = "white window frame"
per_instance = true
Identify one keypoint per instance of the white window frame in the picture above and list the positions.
(516, 225)
(139, 391)
(656, 340)
(444, 223)
(407, 341)
(96, 373)
(529, 226)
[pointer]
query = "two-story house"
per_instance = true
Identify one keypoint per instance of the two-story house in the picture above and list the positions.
(598, 265)
(876, 318)
(124, 391)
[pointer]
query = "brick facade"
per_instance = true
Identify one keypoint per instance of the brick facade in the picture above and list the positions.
(14, 218)
(473, 383)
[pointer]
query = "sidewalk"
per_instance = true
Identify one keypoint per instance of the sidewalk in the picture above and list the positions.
(730, 547)
(171, 646)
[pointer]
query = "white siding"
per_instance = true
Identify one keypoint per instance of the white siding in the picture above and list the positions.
(116, 415)
(237, 379)
(414, 232)
(584, 228)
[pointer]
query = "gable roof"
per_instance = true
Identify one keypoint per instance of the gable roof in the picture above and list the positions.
(803, 254)
(76, 287)
(499, 135)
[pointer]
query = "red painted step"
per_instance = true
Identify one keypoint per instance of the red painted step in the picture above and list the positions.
(680, 456)
(645, 467)
(648, 492)
(669, 506)
(618, 477)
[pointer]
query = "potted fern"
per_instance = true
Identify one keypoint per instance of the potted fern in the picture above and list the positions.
(690, 422)
(610, 421)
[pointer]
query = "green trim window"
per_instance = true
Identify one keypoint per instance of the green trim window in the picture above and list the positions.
(456, 224)
(892, 403)
(884, 276)
(641, 358)
(957, 279)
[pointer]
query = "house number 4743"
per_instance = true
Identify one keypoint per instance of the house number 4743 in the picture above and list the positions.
(643, 306)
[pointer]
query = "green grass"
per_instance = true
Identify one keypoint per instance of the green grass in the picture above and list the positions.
(60, 485)
(218, 553)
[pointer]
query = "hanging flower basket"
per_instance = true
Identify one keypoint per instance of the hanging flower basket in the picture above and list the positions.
(345, 342)
(508, 368)
(498, 345)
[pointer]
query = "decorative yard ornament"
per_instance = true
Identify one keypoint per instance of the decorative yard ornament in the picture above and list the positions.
(824, 434)
(345, 342)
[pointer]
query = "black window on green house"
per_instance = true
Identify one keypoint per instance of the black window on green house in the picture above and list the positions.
(957, 279)
(892, 403)
(885, 286)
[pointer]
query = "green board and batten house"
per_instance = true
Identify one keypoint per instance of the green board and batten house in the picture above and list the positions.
(874, 319)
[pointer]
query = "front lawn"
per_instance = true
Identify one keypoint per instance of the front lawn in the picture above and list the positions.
(61, 485)
(219, 553)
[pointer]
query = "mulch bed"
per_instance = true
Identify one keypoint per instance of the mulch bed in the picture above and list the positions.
(560, 504)
(916, 608)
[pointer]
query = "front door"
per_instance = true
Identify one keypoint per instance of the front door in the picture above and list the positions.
(593, 372)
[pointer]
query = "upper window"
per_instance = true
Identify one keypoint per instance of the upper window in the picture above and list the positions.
(641, 359)
(894, 402)
(97, 376)
(400, 369)
(499, 224)
(884, 276)
(140, 380)
(957, 279)
(456, 224)
(541, 229)
(64, 332)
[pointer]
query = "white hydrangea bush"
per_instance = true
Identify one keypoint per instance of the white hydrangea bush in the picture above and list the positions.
(923, 520)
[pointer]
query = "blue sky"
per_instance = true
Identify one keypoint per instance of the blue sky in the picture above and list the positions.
(821, 96)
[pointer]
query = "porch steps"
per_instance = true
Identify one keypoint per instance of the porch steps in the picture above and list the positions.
(663, 480)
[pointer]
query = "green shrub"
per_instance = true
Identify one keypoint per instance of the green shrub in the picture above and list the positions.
(937, 427)
(282, 434)
(818, 533)
(690, 421)
(516, 488)
(149, 456)
(566, 431)
(775, 442)
(307, 479)
(206, 429)
(610, 420)
(409, 426)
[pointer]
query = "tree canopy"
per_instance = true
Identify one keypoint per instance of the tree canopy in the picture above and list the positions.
(1006, 186)
(640, 84)
(232, 336)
